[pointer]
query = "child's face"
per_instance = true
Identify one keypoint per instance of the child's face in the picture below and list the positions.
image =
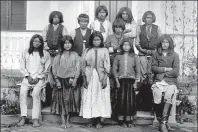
(83, 24)
(56, 19)
(149, 19)
(101, 15)
(125, 16)
(96, 41)
(67, 45)
(36, 43)
(165, 44)
(118, 30)
(126, 47)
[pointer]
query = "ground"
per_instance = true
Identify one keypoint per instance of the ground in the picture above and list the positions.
(8, 125)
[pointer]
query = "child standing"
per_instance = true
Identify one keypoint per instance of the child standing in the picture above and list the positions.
(81, 35)
(112, 43)
(53, 32)
(81, 39)
(101, 24)
(66, 69)
(34, 66)
(52, 35)
(96, 95)
(126, 71)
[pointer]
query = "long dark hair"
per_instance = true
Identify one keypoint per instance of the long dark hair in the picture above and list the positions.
(99, 8)
(40, 48)
(58, 13)
(161, 39)
(131, 52)
(118, 23)
(148, 13)
(93, 35)
(128, 10)
(62, 42)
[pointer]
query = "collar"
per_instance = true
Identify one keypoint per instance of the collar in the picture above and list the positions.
(149, 25)
(55, 25)
(83, 30)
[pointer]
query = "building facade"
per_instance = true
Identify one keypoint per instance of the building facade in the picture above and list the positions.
(21, 19)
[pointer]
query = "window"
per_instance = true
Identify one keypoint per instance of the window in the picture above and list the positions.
(13, 15)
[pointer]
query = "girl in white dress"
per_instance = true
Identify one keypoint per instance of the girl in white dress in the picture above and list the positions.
(96, 92)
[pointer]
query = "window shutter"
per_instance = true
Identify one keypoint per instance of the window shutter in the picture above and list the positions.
(18, 15)
(4, 15)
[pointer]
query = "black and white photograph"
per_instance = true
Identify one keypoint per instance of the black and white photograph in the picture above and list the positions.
(98, 66)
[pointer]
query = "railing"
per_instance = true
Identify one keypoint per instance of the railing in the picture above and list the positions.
(12, 44)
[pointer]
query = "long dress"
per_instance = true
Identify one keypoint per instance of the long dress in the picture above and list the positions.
(126, 69)
(113, 42)
(96, 97)
(66, 99)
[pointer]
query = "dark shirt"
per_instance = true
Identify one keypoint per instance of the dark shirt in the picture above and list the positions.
(159, 62)
(126, 66)
(79, 38)
(54, 37)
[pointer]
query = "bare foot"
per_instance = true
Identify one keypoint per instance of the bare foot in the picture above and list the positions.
(68, 125)
(124, 125)
(63, 125)
(36, 123)
(98, 125)
(130, 125)
(63, 121)
(21, 122)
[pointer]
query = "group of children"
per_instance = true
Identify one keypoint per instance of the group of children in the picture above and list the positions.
(83, 67)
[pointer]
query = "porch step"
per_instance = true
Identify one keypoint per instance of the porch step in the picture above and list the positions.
(143, 118)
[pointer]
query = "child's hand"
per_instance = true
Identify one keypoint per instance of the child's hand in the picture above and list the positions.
(135, 85)
(74, 82)
(58, 84)
(117, 83)
(71, 80)
(111, 50)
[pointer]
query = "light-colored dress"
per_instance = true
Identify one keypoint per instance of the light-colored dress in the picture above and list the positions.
(95, 99)
(95, 25)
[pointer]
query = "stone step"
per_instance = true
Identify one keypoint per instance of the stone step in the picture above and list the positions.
(143, 118)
